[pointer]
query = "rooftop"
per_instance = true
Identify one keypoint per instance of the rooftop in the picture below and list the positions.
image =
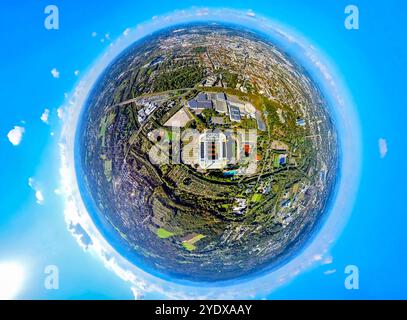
(234, 113)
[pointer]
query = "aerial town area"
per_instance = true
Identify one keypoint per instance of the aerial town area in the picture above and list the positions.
(208, 151)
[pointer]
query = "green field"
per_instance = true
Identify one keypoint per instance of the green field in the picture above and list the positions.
(276, 161)
(257, 197)
(164, 234)
(189, 244)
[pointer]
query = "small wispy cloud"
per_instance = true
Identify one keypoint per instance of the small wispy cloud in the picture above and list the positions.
(382, 147)
(126, 32)
(317, 257)
(76, 72)
(60, 113)
(94, 34)
(45, 116)
(16, 135)
(328, 272)
(55, 73)
(328, 260)
(107, 36)
(202, 12)
(138, 294)
(250, 13)
(39, 196)
(81, 235)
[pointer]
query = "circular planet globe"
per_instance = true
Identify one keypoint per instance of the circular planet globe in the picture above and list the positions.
(206, 153)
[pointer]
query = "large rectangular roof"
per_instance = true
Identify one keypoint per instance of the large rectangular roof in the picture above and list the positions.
(234, 113)
(221, 96)
(201, 97)
(194, 104)
(260, 123)
(204, 104)
(221, 106)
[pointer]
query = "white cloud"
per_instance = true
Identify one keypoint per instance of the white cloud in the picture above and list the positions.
(202, 12)
(55, 73)
(16, 135)
(107, 36)
(318, 257)
(60, 113)
(382, 147)
(328, 272)
(126, 32)
(39, 196)
(328, 260)
(80, 235)
(102, 40)
(45, 116)
(94, 34)
(76, 73)
(250, 13)
(138, 294)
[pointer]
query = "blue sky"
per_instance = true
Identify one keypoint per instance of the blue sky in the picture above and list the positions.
(371, 62)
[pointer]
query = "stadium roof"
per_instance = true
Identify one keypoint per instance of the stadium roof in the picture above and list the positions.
(194, 104)
(234, 113)
(201, 97)
(221, 96)
(221, 106)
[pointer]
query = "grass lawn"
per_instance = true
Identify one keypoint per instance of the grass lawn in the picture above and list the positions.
(257, 197)
(276, 161)
(189, 245)
(164, 234)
